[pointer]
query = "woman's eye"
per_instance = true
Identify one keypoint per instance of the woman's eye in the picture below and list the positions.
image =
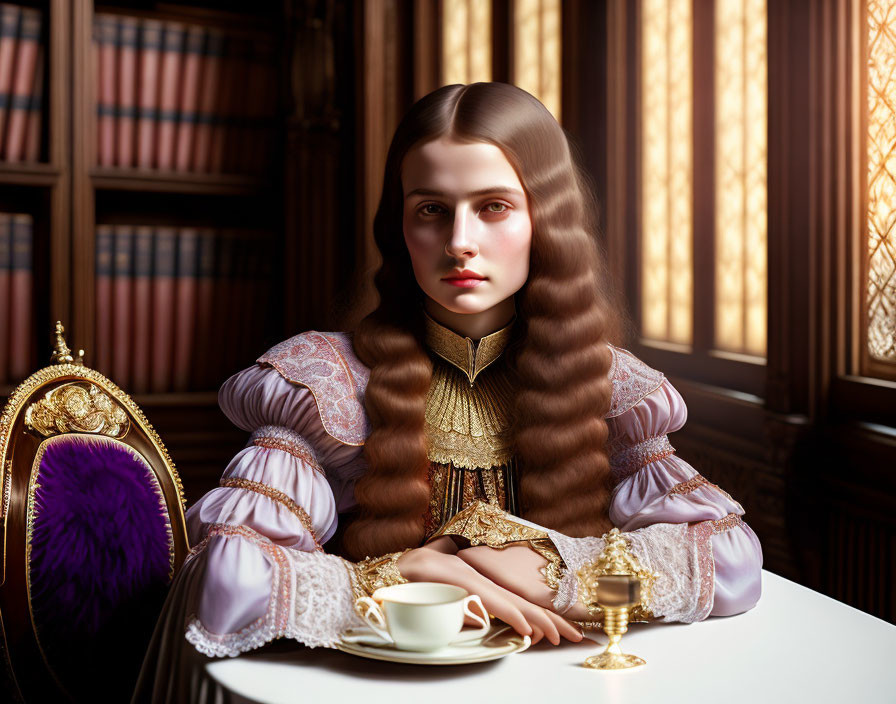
(426, 209)
(491, 207)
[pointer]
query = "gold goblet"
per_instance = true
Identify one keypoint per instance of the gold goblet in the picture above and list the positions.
(612, 586)
(614, 595)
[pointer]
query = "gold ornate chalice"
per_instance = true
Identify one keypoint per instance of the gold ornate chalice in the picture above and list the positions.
(616, 588)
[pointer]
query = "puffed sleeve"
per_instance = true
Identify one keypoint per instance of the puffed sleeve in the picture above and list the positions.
(681, 528)
(258, 536)
(656, 487)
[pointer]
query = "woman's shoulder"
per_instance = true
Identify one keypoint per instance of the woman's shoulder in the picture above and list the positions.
(325, 364)
(632, 379)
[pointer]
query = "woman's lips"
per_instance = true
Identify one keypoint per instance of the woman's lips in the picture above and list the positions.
(464, 283)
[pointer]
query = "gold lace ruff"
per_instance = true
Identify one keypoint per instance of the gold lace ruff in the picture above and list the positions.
(467, 423)
(468, 357)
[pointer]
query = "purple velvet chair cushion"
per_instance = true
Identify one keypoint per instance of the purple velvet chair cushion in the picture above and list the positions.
(100, 549)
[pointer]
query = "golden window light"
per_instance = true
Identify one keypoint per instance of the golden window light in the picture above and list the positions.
(741, 204)
(466, 41)
(881, 153)
(536, 55)
(667, 171)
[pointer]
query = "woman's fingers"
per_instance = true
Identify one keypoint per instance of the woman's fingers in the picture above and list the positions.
(515, 568)
(566, 629)
(537, 634)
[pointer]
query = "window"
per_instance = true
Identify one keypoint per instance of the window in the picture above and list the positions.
(879, 260)
(466, 41)
(703, 284)
(536, 50)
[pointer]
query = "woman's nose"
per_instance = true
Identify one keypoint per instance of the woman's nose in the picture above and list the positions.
(460, 243)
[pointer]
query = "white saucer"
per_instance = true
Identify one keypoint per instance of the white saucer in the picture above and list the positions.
(500, 641)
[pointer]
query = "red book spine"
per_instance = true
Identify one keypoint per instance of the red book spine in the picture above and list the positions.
(10, 17)
(189, 98)
(35, 111)
(127, 91)
(102, 344)
(21, 314)
(169, 85)
(122, 293)
(148, 91)
(105, 37)
(142, 311)
(220, 132)
(22, 84)
(163, 281)
(5, 298)
(185, 316)
(205, 299)
(210, 85)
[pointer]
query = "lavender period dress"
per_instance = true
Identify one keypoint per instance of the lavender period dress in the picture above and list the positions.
(258, 570)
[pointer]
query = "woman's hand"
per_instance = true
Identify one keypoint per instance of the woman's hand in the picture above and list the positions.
(436, 563)
(517, 569)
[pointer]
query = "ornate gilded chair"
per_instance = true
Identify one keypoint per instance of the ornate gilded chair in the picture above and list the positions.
(93, 532)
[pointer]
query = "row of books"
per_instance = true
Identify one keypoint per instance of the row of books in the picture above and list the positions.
(16, 297)
(178, 309)
(21, 82)
(182, 97)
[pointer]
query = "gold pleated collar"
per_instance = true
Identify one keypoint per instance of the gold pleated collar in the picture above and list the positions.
(461, 351)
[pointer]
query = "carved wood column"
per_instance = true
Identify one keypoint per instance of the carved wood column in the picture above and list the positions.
(318, 213)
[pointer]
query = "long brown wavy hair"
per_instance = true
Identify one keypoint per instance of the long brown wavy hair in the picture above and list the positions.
(565, 311)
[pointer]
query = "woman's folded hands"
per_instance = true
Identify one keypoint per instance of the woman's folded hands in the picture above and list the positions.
(507, 580)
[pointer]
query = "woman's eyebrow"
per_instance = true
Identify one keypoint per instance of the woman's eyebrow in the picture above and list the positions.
(479, 192)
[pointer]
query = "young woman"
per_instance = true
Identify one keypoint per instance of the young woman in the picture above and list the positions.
(480, 427)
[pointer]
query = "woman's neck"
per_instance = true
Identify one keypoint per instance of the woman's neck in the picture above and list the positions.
(472, 325)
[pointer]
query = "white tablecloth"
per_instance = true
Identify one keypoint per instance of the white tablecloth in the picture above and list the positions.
(796, 645)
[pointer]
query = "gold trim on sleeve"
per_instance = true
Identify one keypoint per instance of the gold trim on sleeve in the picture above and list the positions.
(376, 572)
(483, 524)
(553, 571)
(278, 496)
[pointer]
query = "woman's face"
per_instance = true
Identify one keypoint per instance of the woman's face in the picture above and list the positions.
(465, 210)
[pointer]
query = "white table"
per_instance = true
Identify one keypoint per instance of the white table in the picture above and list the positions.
(796, 645)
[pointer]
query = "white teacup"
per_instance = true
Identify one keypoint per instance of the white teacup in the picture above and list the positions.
(422, 616)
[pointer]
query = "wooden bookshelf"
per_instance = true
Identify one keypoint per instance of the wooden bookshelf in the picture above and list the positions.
(177, 182)
(70, 195)
(29, 174)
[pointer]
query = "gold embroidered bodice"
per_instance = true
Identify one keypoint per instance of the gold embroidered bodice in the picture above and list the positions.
(468, 423)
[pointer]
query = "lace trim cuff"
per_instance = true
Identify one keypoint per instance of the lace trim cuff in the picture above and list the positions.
(311, 601)
(628, 460)
(678, 556)
(279, 437)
